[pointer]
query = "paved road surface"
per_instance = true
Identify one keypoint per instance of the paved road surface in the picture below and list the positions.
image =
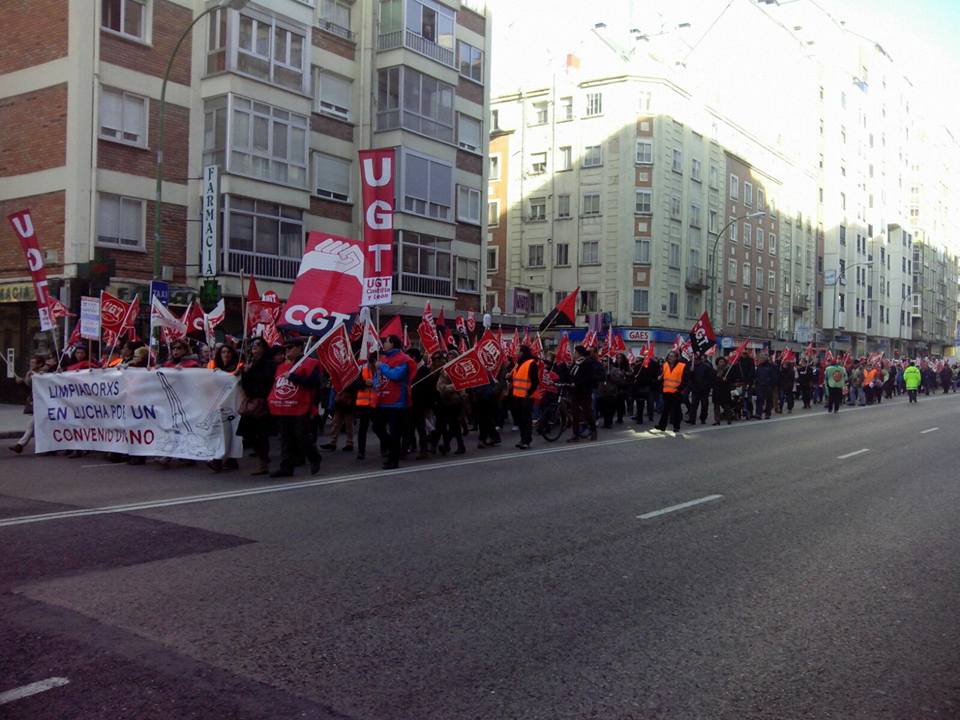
(537, 585)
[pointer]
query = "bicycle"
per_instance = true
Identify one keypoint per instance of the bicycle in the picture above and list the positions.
(556, 416)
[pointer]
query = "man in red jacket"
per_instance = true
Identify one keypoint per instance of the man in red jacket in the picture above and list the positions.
(393, 380)
(291, 401)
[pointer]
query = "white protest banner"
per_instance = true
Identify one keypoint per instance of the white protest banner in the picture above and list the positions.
(90, 318)
(188, 413)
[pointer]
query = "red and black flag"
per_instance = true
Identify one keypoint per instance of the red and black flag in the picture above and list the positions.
(702, 336)
(565, 312)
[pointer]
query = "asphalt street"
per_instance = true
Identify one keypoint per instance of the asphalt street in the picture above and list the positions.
(803, 567)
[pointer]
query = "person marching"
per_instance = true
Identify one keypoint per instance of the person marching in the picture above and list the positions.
(291, 401)
(524, 381)
(836, 377)
(675, 377)
(366, 403)
(395, 372)
(911, 380)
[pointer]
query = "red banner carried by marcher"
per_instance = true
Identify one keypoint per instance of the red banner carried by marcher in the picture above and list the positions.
(58, 310)
(490, 352)
(471, 321)
(117, 317)
(788, 356)
(648, 354)
(428, 337)
(461, 325)
(591, 340)
(329, 285)
(467, 371)
(23, 227)
(735, 358)
(377, 181)
(393, 327)
(336, 357)
(701, 334)
(564, 353)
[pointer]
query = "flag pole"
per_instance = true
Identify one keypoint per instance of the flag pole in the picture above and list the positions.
(246, 309)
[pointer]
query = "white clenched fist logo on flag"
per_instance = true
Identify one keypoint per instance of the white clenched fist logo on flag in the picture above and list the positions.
(329, 285)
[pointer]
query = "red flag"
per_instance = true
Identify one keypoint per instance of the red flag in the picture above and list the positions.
(463, 344)
(461, 325)
(515, 343)
(466, 371)
(252, 293)
(428, 313)
(526, 336)
(788, 356)
(712, 351)
(564, 354)
(648, 354)
(810, 351)
(536, 346)
(590, 340)
(735, 358)
(193, 319)
(377, 174)
(58, 310)
(406, 338)
(471, 321)
(370, 342)
(428, 337)
(490, 352)
(393, 327)
(618, 345)
(336, 357)
(117, 317)
(701, 334)
(565, 311)
(829, 357)
(23, 227)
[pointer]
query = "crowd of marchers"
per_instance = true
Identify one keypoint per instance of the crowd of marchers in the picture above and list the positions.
(411, 406)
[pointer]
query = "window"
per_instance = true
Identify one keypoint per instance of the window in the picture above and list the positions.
(694, 215)
(426, 264)
(123, 117)
(745, 315)
(761, 205)
(759, 278)
(594, 104)
(677, 165)
(772, 281)
(713, 223)
(771, 325)
(641, 301)
(758, 317)
(593, 156)
(272, 51)
(334, 94)
(732, 270)
(468, 275)
(565, 158)
(565, 111)
(695, 170)
(714, 177)
(495, 119)
(335, 17)
(732, 231)
(535, 256)
(471, 61)
(126, 17)
(265, 142)
(120, 222)
(644, 202)
(427, 186)
(731, 313)
(734, 187)
(468, 204)
(494, 167)
(433, 23)
(262, 237)
(493, 259)
(693, 305)
(590, 253)
(536, 303)
(746, 274)
(468, 133)
(773, 244)
(747, 194)
(427, 103)
(538, 209)
(493, 213)
(332, 176)
(591, 204)
(563, 254)
(747, 235)
(540, 113)
(673, 302)
(675, 208)
(641, 250)
(644, 152)
(563, 206)
(674, 260)
(759, 238)
(588, 301)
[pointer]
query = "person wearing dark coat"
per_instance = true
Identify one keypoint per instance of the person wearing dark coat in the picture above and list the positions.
(765, 381)
(701, 384)
(806, 375)
(787, 381)
(946, 378)
(722, 402)
(256, 422)
(742, 374)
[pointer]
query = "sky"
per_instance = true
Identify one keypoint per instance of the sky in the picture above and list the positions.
(920, 35)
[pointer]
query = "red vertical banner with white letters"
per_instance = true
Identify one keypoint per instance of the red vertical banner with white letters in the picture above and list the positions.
(377, 174)
(23, 227)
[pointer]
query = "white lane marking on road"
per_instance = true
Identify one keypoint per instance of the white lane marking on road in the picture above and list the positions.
(101, 465)
(851, 454)
(924, 432)
(681, 506)
(227, 495)
(32, 689)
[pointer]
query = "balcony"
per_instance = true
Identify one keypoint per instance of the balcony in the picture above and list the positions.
(268, 267)
(424, 285)
(417, 43)
(697, 279)
(801, 302)
(338, 30)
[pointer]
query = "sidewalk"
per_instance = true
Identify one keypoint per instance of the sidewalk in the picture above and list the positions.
(12, 421)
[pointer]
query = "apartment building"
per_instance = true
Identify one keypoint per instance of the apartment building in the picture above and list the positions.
(618, 185)
(279, 95)
(934, 309)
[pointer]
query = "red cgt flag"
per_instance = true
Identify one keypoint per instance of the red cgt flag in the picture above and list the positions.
(701, 334)
(467, 371)
(336, 357)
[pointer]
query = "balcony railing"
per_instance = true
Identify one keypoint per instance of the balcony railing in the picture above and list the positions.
(417, 43)
(424, 285)
(268, 267)
(801, 302)
(697, 279)
(339, 30)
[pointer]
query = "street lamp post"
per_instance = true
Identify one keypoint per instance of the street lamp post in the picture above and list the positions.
(713, 262)
(158, 199)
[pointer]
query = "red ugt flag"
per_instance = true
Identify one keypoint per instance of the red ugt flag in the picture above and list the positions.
(377, 180)
(490, 352)
(23, 227)
(466, 371)
(336, 356)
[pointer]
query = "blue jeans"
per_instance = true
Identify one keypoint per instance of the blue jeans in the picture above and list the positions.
(856, 396)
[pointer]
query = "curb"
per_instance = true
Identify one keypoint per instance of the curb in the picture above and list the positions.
(10, 435)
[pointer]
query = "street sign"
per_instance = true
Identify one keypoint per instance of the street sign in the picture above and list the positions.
(90, 318)
(211, 216)
(160, 290)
